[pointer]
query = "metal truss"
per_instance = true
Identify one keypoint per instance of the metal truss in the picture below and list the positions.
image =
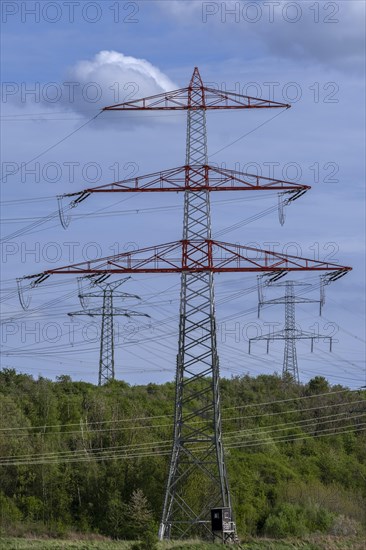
(107, 311)
(184, 178)
(191, 178)
(194, 178)
(197, 442)
(290, 333)
(196, 96)
(198, 257)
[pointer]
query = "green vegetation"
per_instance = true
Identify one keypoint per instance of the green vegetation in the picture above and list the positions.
(22, 544)
(76, 458)
(308, 543)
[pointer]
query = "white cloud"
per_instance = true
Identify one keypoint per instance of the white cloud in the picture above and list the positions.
(108, 78)
(112, 77)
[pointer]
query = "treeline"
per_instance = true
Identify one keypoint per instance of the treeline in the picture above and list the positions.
(76, 457)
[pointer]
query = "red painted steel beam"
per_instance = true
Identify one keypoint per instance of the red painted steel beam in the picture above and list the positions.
(184, 178)
(213, 100)
(180, 100)
(195, 257)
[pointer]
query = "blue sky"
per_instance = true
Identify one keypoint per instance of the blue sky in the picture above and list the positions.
(309, 54)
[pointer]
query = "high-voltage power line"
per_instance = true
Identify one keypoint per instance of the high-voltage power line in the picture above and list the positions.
(197, 450)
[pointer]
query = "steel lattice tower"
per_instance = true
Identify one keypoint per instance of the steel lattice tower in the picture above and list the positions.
(107, 311)
(197, 451)
(290, 365)
(197, 378)
(290, 333)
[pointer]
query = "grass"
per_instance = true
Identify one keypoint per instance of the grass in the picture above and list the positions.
(47, 544)
(315, 542)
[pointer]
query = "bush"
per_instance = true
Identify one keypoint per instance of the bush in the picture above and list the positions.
(296, 520)
(287, 519)
(148, 539)
(9, 513)
(318, 519)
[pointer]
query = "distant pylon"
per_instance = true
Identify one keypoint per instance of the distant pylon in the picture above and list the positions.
(290, 334)
(107, 311)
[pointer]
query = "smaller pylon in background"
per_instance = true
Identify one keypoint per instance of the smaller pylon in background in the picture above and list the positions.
(108, 291)
(290, 334)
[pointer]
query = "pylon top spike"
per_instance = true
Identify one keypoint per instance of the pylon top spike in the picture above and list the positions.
(196, 80)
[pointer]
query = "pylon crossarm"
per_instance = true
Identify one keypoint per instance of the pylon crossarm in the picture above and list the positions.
(178, 100)
(194, 257)
(175, 100)
(292, 337)
(196, 96)
(243, 181)
(129, 313)
(92, 312)
(195, 178)
(217, 99)
(295, 334)
(295, 300)
(123, 295)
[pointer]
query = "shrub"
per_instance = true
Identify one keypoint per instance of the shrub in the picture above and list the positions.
(295, 520)
(287, 519)
(9, 513)
(318, 519)
(148, 539)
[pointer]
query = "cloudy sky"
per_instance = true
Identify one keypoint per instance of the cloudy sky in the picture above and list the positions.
(63, 61)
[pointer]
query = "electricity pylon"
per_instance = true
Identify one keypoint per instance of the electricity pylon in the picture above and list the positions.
(290, 333)
(107, 311)
(197, 479)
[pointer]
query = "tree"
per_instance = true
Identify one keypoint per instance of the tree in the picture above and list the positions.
(116, 517)
(141, 522)
(139, 511)
(318, 384)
